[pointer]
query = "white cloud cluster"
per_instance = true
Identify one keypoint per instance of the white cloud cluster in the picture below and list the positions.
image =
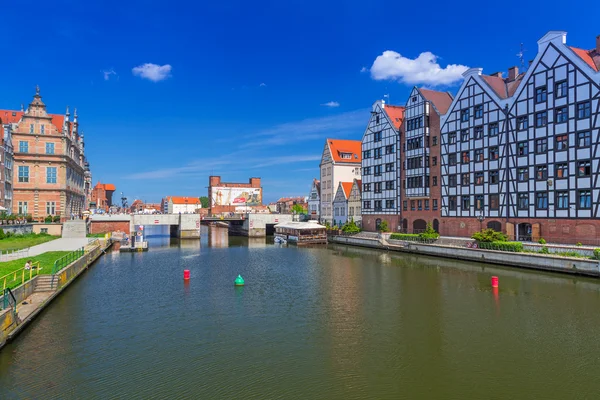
(108, 73)
(422, 70)
(331, 104)
(152, 72)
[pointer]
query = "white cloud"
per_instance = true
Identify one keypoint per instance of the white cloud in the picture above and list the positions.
(422, 70)
(108, 73)
(152, 72)
(262, 84)
(363, 69)
(331, 104)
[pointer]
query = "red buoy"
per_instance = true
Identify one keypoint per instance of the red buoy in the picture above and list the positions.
(186, 274)
(494, 281)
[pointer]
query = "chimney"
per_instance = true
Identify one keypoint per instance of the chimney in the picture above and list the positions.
(497, 74)
(598, 44)
(512, 73)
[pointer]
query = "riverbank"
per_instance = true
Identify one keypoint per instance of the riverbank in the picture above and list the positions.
(570, 265)
(21, 305)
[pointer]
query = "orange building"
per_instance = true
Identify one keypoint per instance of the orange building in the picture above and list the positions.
(49, 162)
(102, 195)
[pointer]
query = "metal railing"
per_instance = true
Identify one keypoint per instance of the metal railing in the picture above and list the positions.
(8, 295)
(13, 254)
(67, 259)
(20, 276)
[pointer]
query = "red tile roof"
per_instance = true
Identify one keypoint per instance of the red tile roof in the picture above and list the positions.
(13, 117)
(395, 114)
(497, 84)
(586, 56)
(359, 184)
(337, 147)
(184, 200)
(441, 100)
(347, 187)
(105, 186)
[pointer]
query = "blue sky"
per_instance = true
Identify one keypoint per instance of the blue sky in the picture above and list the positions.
(244, 88)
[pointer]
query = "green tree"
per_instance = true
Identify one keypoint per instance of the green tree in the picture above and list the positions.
(298, 209)
(383, 226)
(204, 201)
(489, 235)
(350, 227)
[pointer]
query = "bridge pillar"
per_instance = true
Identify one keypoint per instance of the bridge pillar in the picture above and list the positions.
(189, 226)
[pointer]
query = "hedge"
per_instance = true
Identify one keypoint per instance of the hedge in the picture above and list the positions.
(502, 246)
(404, 236)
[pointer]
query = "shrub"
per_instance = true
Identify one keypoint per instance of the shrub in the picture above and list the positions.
(542, 241)
(48, 219)
(2, 235)
(597, 254)
(430, 233)
(489, 235)
(350, 227)
(383, 226)
(578, 244)
(544, 250)
(405, 236)
(56, 218)
(515, 247)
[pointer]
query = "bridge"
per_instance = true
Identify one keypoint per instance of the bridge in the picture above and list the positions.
(185, 226)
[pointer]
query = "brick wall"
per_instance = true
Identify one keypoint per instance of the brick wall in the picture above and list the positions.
(109, 226)
(369, 222)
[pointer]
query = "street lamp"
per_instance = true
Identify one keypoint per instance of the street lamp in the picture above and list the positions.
(481, 217)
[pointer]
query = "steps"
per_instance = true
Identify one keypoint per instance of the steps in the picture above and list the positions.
(43, 283)
(74, 229)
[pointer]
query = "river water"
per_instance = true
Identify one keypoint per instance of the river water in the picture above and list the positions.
(322, 322)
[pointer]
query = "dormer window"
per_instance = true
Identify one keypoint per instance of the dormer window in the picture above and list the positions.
(346, 156)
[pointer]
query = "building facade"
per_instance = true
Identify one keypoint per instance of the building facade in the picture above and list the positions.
(520, 153)
(182, 205)
(226, 197)
(285, 204)
(314, 200)
(340, 203)
(355, 202)
(420, 172)
(340, 162)
(381, 167)
(6, 171)
(101, 195)
(49, 163)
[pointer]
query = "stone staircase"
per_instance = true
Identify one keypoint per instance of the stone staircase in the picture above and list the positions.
(74, 229)
(43, 283)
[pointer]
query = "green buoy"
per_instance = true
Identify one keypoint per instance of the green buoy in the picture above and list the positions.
(239, 281)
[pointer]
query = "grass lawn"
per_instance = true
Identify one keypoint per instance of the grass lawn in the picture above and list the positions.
(95, 235)
(46, 262)
(23, 241)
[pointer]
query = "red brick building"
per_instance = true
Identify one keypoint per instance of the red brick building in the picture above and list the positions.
(102, 195)
(227, 197)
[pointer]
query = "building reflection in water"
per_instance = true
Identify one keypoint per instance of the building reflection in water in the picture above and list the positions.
(218, 237)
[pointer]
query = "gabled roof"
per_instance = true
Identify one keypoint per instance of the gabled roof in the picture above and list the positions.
(395, 114)
(588, 57)
(338, 146)
(317, 184)
(441, 100)
(347, 187)
(105, 186)
(358, 184)
(502, 86)
(184, 200)
(10, 116)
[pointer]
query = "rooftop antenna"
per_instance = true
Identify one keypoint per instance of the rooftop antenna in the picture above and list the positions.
(521, 55)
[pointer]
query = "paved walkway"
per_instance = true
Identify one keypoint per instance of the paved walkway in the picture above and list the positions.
(62, 244)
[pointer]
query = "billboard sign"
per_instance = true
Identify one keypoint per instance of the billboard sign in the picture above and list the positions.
(236, 196)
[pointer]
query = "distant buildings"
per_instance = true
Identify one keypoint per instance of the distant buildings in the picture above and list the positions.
(340, 162)
(285, 204)
(226, 197)
(340, 203)
(314, 200)
(102, 196)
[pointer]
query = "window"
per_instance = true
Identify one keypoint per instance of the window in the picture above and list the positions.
(541, 200)
(494, 201)
(389, 204)
(366, 205)
(493, 129)
(522, 148)
(50, 208)
(452, 159)
(523, 201)
(452, 180)
(464, 135)
(478, 132)
(413, 207)
(562, 142)
(366, 187)
(585, 199)
(465, 179)
(49, 148)
(377, 137)
(389, 167)
(541, 172)
(493, 177)
(435, 181)
(434, 141)
(377, 204)
(522, 123)
(377, 119)
(464, 115)
(415, 143)
(561, 170)
(367, 171)
(452, 203)
(560, 89)
(405, 205)
(377, 187)
(452, 138)
(465, 157)
(389, 185)
(583, 110)
(493, 153)
(389, 149)
(541, 118)
(43, 230)
(366, 154)
(414, 182)
(541, 94)
(478, 154)
(561, 114)
(377, 152)
(42, 129)
(541, 146)
(479, 111)
(584, 168)
(479, 178)
(414, 162)
(434, 204)
(479, 203)
(434, 161)
(427, 204)
(22, 207)
(523, 174)
(419, 205)
(23, 174)
(414, 123)
(584, 139)
(562, 200)
(466, 202)
(23, 147)
(50, 174)
(31, 128)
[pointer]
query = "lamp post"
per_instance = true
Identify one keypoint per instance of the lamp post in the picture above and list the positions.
(481, 217)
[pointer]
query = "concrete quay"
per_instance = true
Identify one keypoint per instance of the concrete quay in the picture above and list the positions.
(184, 226)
